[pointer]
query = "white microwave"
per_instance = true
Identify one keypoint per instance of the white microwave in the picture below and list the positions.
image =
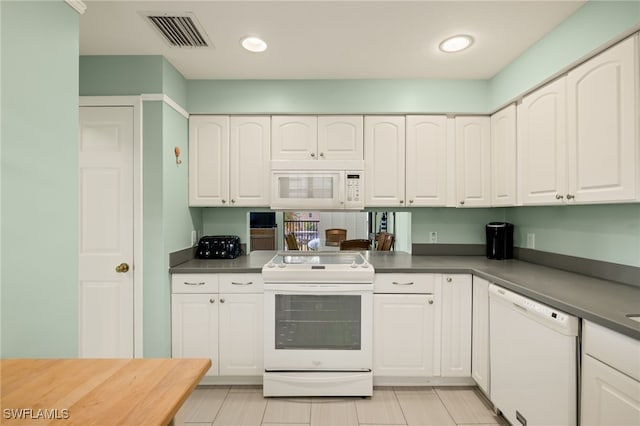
(317, 190)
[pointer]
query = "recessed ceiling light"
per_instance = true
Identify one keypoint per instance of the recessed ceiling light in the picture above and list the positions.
(254, 44)
(456, 43)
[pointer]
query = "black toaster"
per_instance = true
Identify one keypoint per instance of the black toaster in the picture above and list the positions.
(218, 247)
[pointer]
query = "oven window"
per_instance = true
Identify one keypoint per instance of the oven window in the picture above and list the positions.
(318, 322)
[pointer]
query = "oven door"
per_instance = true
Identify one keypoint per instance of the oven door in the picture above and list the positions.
(311, 328)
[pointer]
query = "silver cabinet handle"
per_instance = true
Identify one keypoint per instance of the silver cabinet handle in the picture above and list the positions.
(237, 283)
(570, 197)
(431, 301)
(233, 201)
(212, 300)
(462, 203)
(401, 201)
(397, 283)
(559, 197)
(224, 201)
(313, 154)
(410, 201)
(322, 154)
(188, 283)
(221, 300)
(449, 279)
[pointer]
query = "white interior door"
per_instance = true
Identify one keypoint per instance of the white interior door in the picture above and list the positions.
(106, 326)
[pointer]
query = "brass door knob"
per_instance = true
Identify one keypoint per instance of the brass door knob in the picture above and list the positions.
(122, 268)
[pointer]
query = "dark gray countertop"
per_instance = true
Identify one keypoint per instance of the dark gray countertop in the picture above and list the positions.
(604, 302)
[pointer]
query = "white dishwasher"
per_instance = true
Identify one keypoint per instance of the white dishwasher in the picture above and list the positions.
(534, 362)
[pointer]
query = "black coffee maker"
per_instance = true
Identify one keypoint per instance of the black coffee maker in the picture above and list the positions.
(499, 240)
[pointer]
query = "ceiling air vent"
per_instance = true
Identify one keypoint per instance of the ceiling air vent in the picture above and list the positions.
(179, 29)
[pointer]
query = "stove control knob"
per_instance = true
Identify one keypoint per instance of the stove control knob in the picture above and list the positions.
(271, 265)
(282, 265)
(353, 265)
(366, 265)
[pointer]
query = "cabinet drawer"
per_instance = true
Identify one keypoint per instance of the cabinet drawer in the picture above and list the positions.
(194, 283)
(241, 283)
(405, 283)
(617, 350)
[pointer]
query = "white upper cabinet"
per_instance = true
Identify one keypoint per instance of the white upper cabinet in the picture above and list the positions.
(208, 160)
(340, 137)
(541, 145)
(473, 161)
(603, 122)
(249, 152)
(384, 150)
(503, 157)
(229, 160)
(337, 137)
(294, 137)
(426, 160)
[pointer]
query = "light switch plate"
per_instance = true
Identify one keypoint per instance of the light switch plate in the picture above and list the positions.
(433, 237)
(531, 240)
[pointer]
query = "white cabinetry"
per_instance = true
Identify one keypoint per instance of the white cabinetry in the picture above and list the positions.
(229, 160)
(578, 136)
(384, 150)
(603, 146)
(542, 145)
(337, 137)
(473, 161)
(610, 377)
(456, 325)
(427, 160)
(480, 334)
(503, 157)
(219, 316)
(405, 313)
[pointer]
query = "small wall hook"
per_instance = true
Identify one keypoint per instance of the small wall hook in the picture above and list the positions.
(177, 152)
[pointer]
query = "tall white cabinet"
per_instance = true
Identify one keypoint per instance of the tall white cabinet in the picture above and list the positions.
(603, 145)
(229, 160)
(428, 160)
(473, 161)
(384, 150)
(503, 157)
(456, 325)
(480, 334)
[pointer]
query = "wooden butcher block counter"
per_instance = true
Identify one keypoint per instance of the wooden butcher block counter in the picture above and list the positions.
(96, 391)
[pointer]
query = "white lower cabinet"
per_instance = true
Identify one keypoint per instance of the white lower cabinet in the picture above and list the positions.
(610, 393)
(456, 325)
(480, 334)
(404, 335)
(219, 316)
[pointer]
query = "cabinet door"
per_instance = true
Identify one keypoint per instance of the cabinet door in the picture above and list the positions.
(542, 145)
(426, 161)
(208, 160)
(503, 157)
(403, 335)
(249, 156)
(456, 326)
(241, 334)
(603, 127)
(473, 161)
(340, 137)
(608, 396)
(480, 334)
(384, 141)
(194, 328)
(294, 137)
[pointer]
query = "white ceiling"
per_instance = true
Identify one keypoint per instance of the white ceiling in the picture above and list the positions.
(329, 39)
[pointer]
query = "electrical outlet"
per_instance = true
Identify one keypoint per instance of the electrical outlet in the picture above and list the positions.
(531, 240)
(433, 237)
(194, 238)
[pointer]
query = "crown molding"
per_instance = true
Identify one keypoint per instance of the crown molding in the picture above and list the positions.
(78, 5)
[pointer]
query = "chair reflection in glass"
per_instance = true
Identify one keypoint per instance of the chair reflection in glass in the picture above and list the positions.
(292, 243)
(358, 244)
(333, 236)
(384, 241)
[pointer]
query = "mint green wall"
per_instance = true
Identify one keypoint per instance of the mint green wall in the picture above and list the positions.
(454, 226)
(593, 25)
(174, 84)
(337, 96)
(39, 179)
(121, 75)
(609, 233)
(227, 221)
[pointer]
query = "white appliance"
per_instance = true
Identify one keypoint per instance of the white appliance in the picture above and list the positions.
(318, 324)
(534, 363)
(325, 186)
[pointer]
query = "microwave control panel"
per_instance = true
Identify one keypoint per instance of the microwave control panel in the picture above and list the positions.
(355, 185)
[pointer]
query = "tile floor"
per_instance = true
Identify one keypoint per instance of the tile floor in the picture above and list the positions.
(413, 406)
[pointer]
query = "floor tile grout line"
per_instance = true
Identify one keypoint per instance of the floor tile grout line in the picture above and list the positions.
(435, 390)
(395, 395)
(224, 401)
